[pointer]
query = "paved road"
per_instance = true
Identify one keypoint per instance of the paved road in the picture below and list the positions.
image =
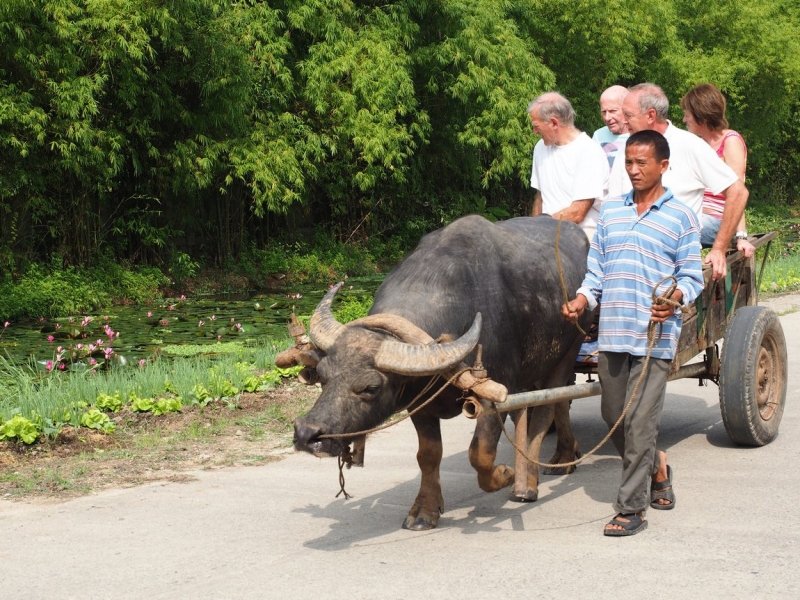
(278, 532)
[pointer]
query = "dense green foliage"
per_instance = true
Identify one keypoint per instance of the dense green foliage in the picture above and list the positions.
(51, 291)
(200, 130)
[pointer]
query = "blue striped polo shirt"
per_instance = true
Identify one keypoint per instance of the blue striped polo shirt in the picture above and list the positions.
(629, 255)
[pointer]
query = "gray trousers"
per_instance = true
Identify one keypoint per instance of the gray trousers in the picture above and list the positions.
(635, 439)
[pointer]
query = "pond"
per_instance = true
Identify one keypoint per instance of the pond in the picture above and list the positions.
(138, 332)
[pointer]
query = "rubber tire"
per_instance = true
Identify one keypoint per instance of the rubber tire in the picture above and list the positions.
(753, 376)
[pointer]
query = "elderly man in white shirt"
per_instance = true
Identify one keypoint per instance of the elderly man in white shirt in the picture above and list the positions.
(570, 171)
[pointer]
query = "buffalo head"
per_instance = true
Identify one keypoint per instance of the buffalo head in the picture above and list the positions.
(364, 367)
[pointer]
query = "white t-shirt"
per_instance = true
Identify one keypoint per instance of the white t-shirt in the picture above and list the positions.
(613, 144)
(574, 171)
(693, 167)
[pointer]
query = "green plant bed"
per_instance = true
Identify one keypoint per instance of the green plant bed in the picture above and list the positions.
(35, 404)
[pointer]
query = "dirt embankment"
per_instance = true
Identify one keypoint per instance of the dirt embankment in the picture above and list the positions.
(255, 430)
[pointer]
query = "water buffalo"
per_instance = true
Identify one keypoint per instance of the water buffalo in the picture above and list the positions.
(496, 284)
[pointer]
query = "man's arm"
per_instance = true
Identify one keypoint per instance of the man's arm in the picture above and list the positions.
(537, 204)
(735, 200)
(575, 212)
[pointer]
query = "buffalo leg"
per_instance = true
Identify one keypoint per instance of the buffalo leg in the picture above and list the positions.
(429, 503)
(566, 445)
(483, 452)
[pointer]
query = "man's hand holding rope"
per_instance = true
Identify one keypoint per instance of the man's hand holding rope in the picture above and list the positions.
(573, 310)
(663, 308)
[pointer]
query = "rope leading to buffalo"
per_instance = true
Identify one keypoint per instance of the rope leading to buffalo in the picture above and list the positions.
(652, 340)
(561, 271)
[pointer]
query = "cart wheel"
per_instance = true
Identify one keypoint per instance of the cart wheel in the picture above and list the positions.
(753, 375)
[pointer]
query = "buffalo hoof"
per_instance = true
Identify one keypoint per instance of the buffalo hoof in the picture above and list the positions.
(529, 496)
(418, 523)
(562, 458)
(558, 471)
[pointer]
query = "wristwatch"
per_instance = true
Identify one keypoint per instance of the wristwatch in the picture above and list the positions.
(740, 235)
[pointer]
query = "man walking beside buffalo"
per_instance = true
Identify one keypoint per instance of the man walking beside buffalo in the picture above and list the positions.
(643, 239)
(570, 171)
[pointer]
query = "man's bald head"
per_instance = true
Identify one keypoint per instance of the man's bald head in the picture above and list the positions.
(615, 92)
(611, 108)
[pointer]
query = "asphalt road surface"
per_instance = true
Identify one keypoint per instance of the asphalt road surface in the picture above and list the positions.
(277, 531)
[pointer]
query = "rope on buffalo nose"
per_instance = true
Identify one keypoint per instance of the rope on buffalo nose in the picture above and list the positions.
(346, 459)
(652, 340)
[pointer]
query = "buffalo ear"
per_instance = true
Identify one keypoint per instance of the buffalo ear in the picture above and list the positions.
(309, 357)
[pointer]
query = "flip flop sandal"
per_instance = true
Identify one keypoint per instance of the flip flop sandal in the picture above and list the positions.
(633, 525)
(663, 491)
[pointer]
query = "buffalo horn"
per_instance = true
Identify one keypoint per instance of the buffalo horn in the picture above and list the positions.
(398, 326)
(418, 360)
(324, 328)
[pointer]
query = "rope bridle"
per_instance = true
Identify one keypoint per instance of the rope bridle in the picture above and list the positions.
(345, 459)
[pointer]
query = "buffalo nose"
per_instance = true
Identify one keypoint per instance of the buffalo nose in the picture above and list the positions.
(305, 433)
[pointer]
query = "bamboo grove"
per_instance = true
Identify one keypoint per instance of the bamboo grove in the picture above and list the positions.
(135, 128)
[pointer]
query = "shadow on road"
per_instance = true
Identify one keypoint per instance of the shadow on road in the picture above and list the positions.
(377, 518)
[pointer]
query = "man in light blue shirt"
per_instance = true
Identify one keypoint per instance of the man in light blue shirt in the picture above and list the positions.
(642, 238)
(613, 135)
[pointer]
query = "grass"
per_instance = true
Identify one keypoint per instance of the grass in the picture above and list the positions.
(781, 274)
(61, 396)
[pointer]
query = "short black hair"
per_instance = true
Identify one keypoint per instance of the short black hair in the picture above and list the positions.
(650, 137)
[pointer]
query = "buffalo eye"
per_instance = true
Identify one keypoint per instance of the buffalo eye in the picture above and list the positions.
(367, 388)
(369, 392)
